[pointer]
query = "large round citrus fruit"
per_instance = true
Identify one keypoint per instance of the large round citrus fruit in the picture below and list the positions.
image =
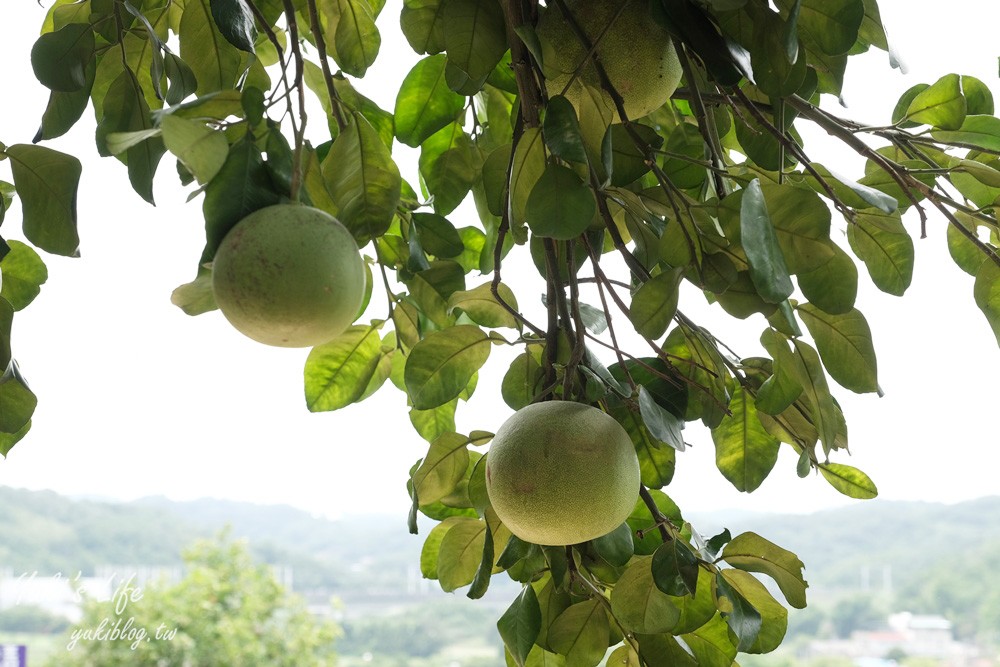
(562, 473)
(636, 51)
(289, 275)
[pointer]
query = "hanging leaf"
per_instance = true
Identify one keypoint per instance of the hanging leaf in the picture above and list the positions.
(352, 35)
(661, 423)
(424, 103)
(745, 452)
(881, 242)
(422, 22)
(475, 37)
(561, 130)
(845, 345)
(450, 165)
(60, 59)
(942, 105)
(483, 308)
(759, 241)
(23, 273)
(460, 552)
(440, 366)
(46, 182)
(520, 624)
(442, 469)
(655, 303)
(235, 22)
(639, 605)
(751, 552)
(560, 206)
(337, 372)
(528, 166)
(987, 294)
(17, 399)
(741, 616)
(214, 62)
(848, 480)
(773, 616)
(201, 149)
(581, 633)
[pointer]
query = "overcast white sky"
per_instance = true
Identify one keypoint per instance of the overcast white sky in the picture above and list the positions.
(138, 399)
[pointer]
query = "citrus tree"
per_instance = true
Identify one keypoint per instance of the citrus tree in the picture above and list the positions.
(626, 152)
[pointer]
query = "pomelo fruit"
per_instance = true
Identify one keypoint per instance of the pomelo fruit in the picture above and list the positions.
(562, 473)
(289, 275)
(636, 51)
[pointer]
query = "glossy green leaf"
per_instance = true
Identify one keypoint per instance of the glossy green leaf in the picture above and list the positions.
(656, 462)
(560, 205)
(833, 287)
(848, 480)
(759, 240)
(845, 345)
(460, 553)
(664, 650)
(60, 59)
(628, 162)
(987, 294)
(442, 469)
(561, 130)
(337, 372)
(441, 365)
(424, 103)
(743, 619)
(181, 78)
(475, 36)
(773, 616)
(65, 109)
(437, 235)
(616, 547)
(976, 131)
(17, 399)
(522, 382)
(432, 547)
(363, 180)
(483, 308)
(351, 32)
(883, 244)
(8, 440)
(581, 633)
(655, 303)
(745, 452)
(778, 69)
(751, 552)
(675, 569)
(201, 149)
(942, 105)
(214, 63)
(241, 187)
(24, 272)
(46, 182)
(520, 624)
(433, 423)
(662, 424)
(831, 25)
(481, 581)
(235, 22)
(639, 605)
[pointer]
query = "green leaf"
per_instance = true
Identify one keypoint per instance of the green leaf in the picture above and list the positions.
(432, 547)
(522, 382)
(235, 22)
(337, 372)
(655, 303)
(745, 452)
(460, 553)
(560, 205)
(942, 105)
(60, 59)
(675, 569)
(437, 235)
(561, 130)
(616, 547)
(833, 287)
(759, 241)
(24, 272)
(17, 400)
(849, 480)
(662, 424)
(47, 181)
(214, 63)
(241, 187)
(639, 605)
(581, 633)
(751, 552)
(181, 78)
(422, 22)
(200, 149)
(424, 103)
(979, 131)
(520, 624)
(656, 462)
(831, 25)
(481, 582)
(450, 165)
(65, 109)
(528, 165)
(483, 308)
(196, 297)
(441, 365)
(8, 440)
(442, 469)
(881, 242)
(773, 616)
(987, 294)
(845, 345)
(664, 650)
(352, 34)
(432, 287)
(475, 37)
(741, 616)
(711, 644)
(628, 163)
(433, 423)
(363, 180)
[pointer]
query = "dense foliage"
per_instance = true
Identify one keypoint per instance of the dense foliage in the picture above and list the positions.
(712, 189)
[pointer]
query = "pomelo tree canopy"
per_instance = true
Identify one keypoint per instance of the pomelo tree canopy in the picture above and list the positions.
(713, 191)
